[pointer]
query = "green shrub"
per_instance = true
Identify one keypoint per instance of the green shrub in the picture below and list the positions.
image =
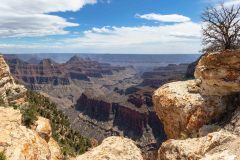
(71, 142)
(29, 115)
(18, 90)
(15, 106)
(2, 156)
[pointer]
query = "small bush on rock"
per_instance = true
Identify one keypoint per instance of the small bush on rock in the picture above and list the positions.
(29, 116)
(2, 156)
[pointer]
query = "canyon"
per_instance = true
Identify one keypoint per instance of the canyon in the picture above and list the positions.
(101, 100)
(200, 117)
(19, 141)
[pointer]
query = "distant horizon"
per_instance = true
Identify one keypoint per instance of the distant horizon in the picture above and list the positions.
(110, 53)
(137, 60)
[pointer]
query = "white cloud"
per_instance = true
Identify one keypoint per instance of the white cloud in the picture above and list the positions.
(175, 38)
(164, 18)
(27, 18)
(23, 18)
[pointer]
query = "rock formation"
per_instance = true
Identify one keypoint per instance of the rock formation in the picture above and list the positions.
(219, 73)
(20, 143)
(217, 145)
(199, 114)
(11, 93)
(183, 113)
(114, 148)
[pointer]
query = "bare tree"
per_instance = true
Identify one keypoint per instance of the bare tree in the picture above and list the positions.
(221, 28)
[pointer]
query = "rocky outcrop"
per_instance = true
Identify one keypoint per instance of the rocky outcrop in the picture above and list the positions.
(11, 93)
(183, 113)
(43, 128)
(197, 106)
(214, 146)
(114, 148)
(219, 73)
(20, 143)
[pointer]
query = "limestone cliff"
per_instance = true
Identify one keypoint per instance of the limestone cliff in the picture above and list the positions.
(203, 115)
(20, 143)
(114, 148)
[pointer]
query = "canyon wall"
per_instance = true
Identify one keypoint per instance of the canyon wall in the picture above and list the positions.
(114, 117)
(18, 142)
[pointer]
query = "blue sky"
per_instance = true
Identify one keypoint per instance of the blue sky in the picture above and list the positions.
(102, 26)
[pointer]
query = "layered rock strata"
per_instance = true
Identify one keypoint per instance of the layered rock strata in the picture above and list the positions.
(49, 72)
(219, 73)
(11, 93)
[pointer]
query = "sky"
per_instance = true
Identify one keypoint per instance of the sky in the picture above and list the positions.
(103, 26)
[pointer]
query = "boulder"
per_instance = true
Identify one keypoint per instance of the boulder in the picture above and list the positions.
(43, 128)
(219, 73)
(114, 148)
(184, 112)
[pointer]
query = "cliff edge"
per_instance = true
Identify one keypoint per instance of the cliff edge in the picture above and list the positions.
(10, 91)
(201, 117)
(21, 143)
